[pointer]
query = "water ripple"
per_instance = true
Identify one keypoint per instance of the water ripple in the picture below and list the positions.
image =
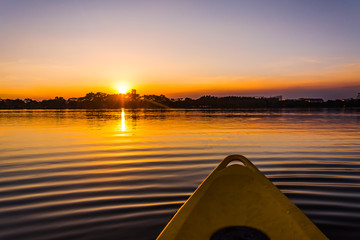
(86, 175)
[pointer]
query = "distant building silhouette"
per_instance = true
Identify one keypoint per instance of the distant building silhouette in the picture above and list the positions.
(358, 96)
(311, 100)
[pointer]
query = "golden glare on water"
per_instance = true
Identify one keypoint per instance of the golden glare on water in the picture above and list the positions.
(123, 125)
(122, 88)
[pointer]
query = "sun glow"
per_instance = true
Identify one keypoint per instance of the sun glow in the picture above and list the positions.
(122, 88)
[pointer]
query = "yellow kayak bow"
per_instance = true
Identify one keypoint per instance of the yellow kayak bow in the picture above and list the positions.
(239, 202)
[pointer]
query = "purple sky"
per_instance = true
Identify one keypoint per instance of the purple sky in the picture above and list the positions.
(180, 48)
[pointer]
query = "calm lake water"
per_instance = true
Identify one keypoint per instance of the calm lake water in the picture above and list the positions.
(123, 174)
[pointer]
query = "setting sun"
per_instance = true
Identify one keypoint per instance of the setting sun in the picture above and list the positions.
(122, 88)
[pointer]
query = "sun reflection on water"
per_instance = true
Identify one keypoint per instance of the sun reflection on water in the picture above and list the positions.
(122, 122)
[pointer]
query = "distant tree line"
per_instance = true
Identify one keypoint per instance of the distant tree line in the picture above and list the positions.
(133, 100)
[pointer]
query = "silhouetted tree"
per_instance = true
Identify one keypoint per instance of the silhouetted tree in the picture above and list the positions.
(133, 100)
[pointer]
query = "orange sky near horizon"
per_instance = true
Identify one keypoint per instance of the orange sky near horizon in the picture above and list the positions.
(179, 49)
(177, 86)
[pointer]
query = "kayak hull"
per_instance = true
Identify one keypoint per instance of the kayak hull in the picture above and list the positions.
(239, 196)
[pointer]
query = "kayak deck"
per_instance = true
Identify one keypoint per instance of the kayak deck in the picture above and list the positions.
(236, 201)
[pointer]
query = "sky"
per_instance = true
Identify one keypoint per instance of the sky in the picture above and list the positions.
(293, 48)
